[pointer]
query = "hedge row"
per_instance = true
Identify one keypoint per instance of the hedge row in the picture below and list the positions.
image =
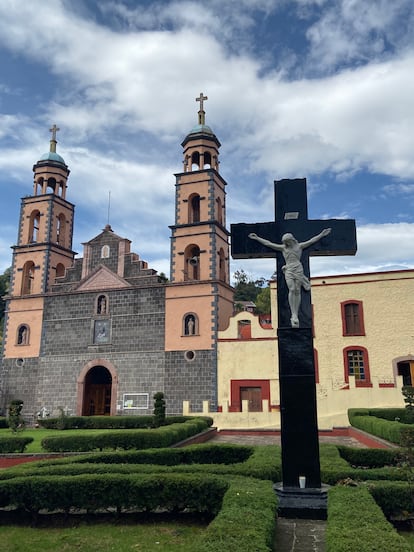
(109, 422)
(262, 463)
(126, 439)
(370, 458)
(246, 521)
(356, 522)
(14, 444)
(385, 429)
(245, 507)
(335, 468)
(92, 492)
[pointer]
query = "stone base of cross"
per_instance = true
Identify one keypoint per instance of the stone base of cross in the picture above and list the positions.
(292, 239)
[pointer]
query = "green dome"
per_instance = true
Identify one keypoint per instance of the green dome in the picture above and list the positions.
(201, 129)
(52, 156)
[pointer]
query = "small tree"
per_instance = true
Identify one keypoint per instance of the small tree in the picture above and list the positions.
(408, 394)
(16, 421)
(159, 409)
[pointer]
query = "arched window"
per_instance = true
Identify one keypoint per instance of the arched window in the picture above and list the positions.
(60, 229)
(51, 183)
(352, 318)
(38, 187)
(222, 265)
(207, 160)
(60, 270)
(190, 324)
(28, 278)
(105, 252)
(195, 161)
(34, 225)
(192, 263)
(102, 305)
(194, 208)
(356, 364)
(23, 334)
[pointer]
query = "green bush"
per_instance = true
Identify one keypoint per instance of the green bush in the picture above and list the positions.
(94, 492)
(394, 497)
(10, 445)
(385, 429)
(369, 458)
(262, 463)
(125, 439)
(356, 523)
(246, 521)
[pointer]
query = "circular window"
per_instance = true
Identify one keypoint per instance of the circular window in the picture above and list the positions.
(189, 356)
(19, 362)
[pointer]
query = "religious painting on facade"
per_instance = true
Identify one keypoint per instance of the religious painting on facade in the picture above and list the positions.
(101, 331)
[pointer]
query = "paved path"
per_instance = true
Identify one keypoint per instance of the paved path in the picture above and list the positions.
(300, 535)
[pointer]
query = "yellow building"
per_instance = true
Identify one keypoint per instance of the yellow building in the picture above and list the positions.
(364, 352)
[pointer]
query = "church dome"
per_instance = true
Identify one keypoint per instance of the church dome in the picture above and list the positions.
(201, 129)
(52, 156)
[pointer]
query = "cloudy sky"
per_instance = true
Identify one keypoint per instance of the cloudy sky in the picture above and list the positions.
(322, 89)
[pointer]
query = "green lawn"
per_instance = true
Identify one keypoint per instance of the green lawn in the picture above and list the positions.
(122, 536)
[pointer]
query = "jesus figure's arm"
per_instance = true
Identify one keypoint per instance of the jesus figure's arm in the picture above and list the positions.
(267, 243)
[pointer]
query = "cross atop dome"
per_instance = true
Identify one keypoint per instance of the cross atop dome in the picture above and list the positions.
(53, 140)
(201, 112)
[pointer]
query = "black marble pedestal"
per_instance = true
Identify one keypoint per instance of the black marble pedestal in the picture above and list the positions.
(305, 503)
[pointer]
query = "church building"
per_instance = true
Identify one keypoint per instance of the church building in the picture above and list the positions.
(102, 333)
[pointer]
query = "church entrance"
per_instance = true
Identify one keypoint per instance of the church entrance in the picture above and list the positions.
(97, 392)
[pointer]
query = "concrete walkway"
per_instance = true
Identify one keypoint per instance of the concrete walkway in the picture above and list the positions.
(300, 535)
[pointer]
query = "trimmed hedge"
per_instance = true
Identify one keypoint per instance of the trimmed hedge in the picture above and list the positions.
(127, 438)
(370, 458)
(356, 523)
(394, 497)
(12, 444)
(362, 418)
(4, 424)
(94, 492)
(246, 521)
(260, 462)
(111, 422)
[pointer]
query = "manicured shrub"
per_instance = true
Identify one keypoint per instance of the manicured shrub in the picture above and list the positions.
(356, 523)
(125, 439)
(396, 498)
(385, 429)
(159, 409)
(94, 492)
(246, 521)
(15, 419)
(369, 458)
(13, 444)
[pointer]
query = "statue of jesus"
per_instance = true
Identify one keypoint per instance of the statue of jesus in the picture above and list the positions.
(295, 278)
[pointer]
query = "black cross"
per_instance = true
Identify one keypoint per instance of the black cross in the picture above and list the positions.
(300, 445)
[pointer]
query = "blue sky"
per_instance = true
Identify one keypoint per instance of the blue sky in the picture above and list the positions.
(297, 88)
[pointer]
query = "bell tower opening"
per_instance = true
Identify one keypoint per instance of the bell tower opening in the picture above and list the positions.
(97, 392)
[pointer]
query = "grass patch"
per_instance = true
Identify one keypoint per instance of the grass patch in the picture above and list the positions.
(138, 533)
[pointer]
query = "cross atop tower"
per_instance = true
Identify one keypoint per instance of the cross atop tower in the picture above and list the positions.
(53, 130)
(201, 112)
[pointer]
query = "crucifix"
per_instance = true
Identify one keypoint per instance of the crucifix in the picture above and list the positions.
(292, 239)
(201, 112)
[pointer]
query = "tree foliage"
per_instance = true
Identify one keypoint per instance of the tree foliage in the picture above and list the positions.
(247, 289)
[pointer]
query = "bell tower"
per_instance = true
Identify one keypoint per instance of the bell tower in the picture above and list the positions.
(42, 254)
(199, 299)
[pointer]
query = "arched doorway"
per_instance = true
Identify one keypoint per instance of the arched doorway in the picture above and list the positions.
(97, 394)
